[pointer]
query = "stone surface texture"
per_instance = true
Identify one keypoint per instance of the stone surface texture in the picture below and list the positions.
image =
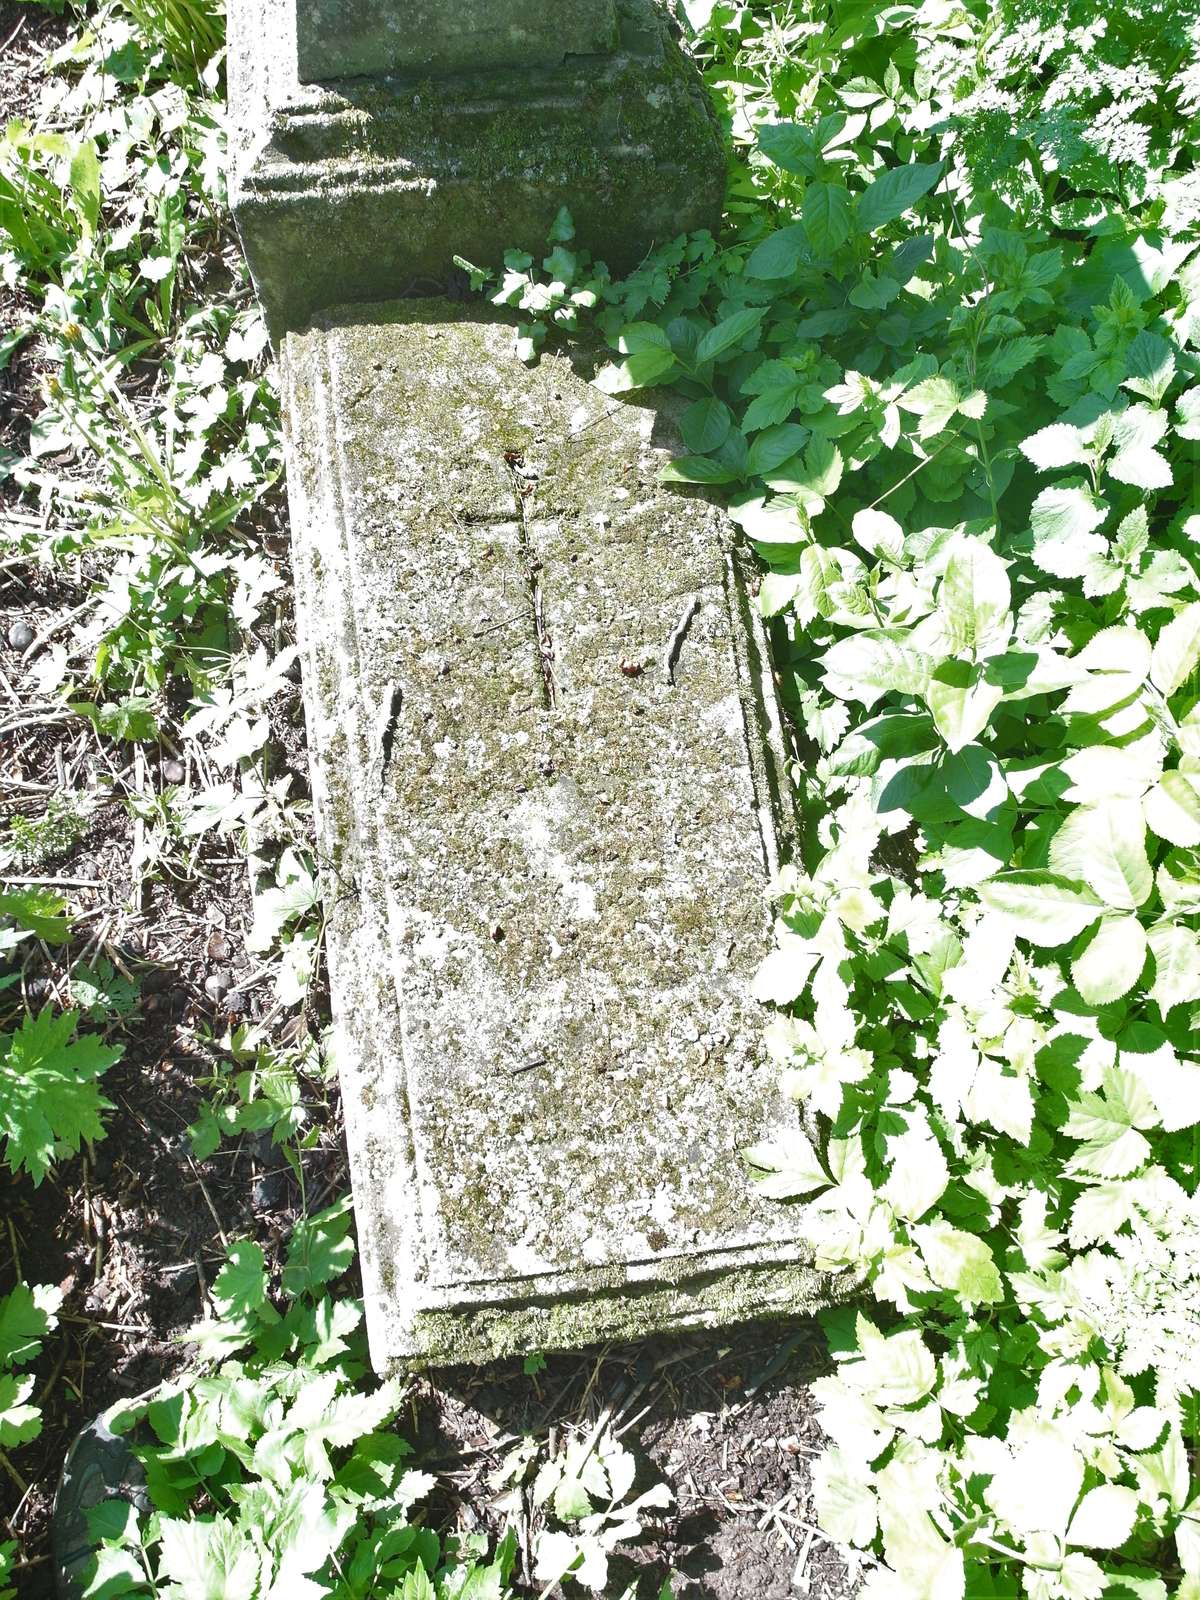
(368, 187)
(351, 38)
(545, 843)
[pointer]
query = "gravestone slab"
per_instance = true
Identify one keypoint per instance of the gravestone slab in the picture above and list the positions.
(350, 38)
(550, 788)
(366, 187)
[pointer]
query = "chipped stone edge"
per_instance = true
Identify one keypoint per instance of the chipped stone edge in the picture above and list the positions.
(411, 1323)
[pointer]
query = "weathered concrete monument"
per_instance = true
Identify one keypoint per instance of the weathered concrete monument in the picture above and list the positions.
(547, 759)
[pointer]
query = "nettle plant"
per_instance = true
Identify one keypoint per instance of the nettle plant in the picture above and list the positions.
(959, 426)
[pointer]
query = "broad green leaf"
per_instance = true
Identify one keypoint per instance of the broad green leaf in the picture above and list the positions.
(790, 146)
(320, 1249)
(698, 469)
(730, 331)
(974, 599)
(780, 255)
(49, 1102)
(1105, 846)
(784, 972)
(638, 371)
(960, 1262)
(1064, 521)
(1104, 1518)
(1111, 962)
(705, 425)
(1110, 1125)
(1044, 909)
(773, 446)
(1187, 412)
(918, 1172)
(962, 701)
(827, 215)
(879, 534)
(1177, 651)
(868, 665)
(85, 186)
(1142, 467)
(894, 192)
(1176, 952)
(1172, 808)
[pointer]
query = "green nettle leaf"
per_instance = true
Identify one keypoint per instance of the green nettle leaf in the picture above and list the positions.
(1150, 363)
(870, 664)
(960, 1262)
(1177, 651)
(894, 192)
(828, 219)
(1111, 962)
(1187, 413)
(1142, 467)
(1063, 520)
(729, 332)
(780, 255)
(1059, 445)
(1042, 908)
(1105, 845)
(934, 400)
(705, 425)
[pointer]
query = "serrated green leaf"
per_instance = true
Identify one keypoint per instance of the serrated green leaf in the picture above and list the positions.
(730, 331)
(960, 1262)
(1150, 363)
(48, 1096)
(1059, 445)
(1176, 952)
(1104, 845)
(780, 255)
(1064, 520)
(827, 215)
(1111, 962)
(705, 425)
(27, 1315)
(895, 192)
(773, 446)
(1172, 808)
(975, 598)
(870, 664)
(1177, 651)
(1045, 909)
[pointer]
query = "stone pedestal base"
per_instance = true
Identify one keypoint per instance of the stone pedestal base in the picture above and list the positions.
(548, 778)
(364, 188)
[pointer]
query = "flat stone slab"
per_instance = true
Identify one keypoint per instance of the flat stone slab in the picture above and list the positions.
(548, 778)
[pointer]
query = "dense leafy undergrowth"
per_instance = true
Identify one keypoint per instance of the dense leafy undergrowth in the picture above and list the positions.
(944, 366)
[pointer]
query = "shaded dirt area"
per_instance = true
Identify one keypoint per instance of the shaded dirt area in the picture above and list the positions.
(134, 1229)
